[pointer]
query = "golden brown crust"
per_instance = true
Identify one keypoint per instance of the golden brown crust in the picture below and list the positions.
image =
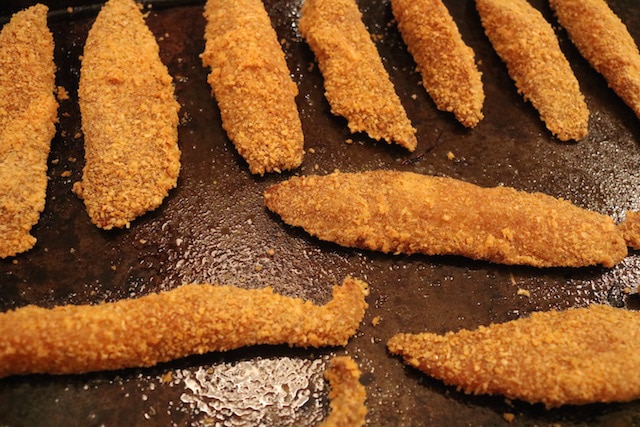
(356, 83)
(573, 357)
(191, 319)
(605, 42)
(630, 229)
(403, 212)
(347, 394)
(446, 63)
(252, 85)
(129, 119)
(28, 113)
(528, 46)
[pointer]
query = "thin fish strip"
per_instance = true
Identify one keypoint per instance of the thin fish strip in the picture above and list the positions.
(191, 319)
(356, 83)
(252, 85)
(604, 41)
(28, 114)
(573, 357)
(404, 212)
(446, 63)
(129, 119)
(529, 47)
(347, 395)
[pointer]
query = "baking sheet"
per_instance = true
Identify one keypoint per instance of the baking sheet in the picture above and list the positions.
(214, 228)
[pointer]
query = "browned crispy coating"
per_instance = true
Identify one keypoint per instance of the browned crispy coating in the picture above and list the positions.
(28, 113)
(347, 394)
(446, 63)
(129, 119)
(252, 85)
(630, 229)
(572, 357)
(356, 83)
(404, 212)
(528, 46)
(605, 42)
(191, 319)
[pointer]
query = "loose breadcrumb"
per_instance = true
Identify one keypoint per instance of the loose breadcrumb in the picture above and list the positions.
(404, 212)
(528, 46)
(356, 83)
(129, 119)
(573, 357)
(252, 85)
(191, 319)
(28, 114)
(446, 63)
(347, 394)
(605, 42)
(630, 229)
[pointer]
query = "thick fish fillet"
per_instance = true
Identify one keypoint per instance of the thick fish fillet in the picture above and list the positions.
(28, 114)
(347, 394)
(191, 319)
(356, 83)
(252, 85)
(129, 119)
(605, 42)
(404, 212)
(528, 46)
(446, 63)
(573, 357)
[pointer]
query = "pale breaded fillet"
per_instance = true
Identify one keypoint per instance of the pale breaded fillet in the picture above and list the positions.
(252, 85)
(28, 114)
(630, 229)
(129, 119)
(605, 42)
(573, 357)
(446, 63)
(528, 46)
(404, 212)
(356, 83)
(347, 394)
(191, 319)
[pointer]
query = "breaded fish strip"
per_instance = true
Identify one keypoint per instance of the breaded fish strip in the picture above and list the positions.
(191, 319)
(356, 83)
(605, 42)
(446, 63)
(573, 357)
(630, 229)
(28, 114)
(347, 394)
(404, 212)
(252, 85)
(129, 119)
(528, 46)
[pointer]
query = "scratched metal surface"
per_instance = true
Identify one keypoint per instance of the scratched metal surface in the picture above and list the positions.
(214, 228)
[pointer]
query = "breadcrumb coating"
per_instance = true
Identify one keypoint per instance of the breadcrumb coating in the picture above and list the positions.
(356, 83)
(347, 394)
(191, 319)
(446, 63)
(252, 85)
(129, 119)
(573, 357)
(528, 46)
(605, 42)
(404, 212)
(28, 114)
(630, 229)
